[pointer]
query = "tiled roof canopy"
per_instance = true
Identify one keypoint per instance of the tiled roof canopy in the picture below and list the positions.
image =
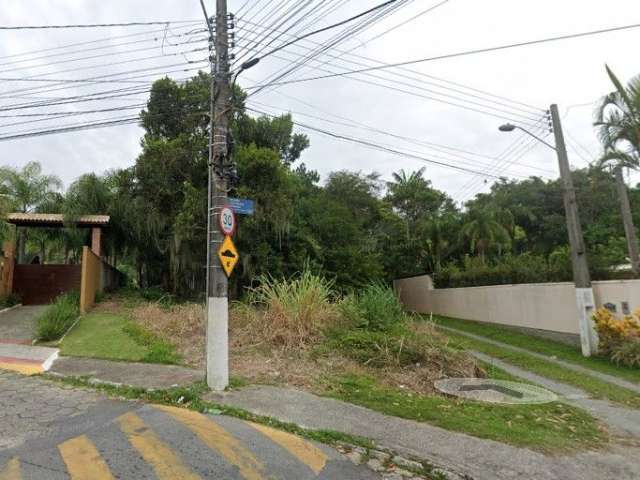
(55, 220)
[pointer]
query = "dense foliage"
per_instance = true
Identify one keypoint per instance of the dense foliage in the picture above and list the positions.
(352, 227)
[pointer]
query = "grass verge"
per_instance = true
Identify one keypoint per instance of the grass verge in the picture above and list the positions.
(58, 317)
(550, 428)
(541, 345)
(113, 337)
(593, 386)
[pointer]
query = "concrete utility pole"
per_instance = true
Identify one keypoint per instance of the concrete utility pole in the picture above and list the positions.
(627, 220)
(217, 288)
(584, 293)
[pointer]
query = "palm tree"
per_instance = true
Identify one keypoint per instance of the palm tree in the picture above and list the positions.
(618, 122)
(27, 188)
(484, 230)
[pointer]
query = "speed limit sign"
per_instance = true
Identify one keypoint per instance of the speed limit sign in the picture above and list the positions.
(227, 221)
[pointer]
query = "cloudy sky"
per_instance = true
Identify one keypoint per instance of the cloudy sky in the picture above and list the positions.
(445, 110)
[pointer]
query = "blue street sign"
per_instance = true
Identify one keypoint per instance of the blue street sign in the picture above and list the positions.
(241, 206)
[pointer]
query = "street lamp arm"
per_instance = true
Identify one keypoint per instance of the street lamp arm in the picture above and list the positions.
(536, 137)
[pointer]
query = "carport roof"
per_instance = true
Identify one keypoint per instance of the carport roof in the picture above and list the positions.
(55, 220)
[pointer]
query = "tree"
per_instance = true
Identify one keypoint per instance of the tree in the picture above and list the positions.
(27, 188)
(484, 231)
(618, 122)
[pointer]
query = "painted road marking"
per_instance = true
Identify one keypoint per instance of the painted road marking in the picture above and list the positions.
(165, 463)
(21, 365)
(218, 439)
(304, 451)
(83, 460)
(11, 471)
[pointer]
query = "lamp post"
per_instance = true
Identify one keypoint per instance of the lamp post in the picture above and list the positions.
(584, 292)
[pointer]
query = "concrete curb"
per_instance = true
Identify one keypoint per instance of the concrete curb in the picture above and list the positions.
(8, 309)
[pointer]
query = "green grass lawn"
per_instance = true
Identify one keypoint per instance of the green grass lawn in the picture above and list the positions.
(541, 345)
(593, 386)
(553, 427)
(113, 337)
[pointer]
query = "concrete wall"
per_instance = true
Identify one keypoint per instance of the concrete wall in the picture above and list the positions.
(110, 278)
(91, 279)
(540, 306)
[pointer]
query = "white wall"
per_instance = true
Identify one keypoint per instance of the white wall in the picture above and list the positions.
(543, 306)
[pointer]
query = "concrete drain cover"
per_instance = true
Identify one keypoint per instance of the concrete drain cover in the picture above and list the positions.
(495, 391)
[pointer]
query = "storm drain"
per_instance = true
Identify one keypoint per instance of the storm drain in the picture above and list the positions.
(495, 391)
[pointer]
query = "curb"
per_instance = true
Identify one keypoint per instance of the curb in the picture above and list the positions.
(8, 309)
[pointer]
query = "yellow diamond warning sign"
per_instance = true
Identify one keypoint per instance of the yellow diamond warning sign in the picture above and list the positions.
(228, 255)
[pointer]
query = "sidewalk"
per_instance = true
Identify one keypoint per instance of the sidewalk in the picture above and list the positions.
(568, 365)
(149, 376)
(479, 459)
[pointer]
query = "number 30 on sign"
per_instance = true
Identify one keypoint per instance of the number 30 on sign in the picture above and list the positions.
(227, 221)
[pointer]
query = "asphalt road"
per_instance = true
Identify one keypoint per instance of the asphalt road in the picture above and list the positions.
(49, 431)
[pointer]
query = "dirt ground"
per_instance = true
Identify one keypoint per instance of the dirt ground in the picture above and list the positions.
(253, 360)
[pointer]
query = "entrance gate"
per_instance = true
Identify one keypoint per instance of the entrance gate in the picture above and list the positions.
(41, 284)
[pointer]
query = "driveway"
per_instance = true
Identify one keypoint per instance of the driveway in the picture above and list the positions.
(19, 324)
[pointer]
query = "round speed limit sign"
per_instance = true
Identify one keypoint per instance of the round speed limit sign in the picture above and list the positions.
(227, 221)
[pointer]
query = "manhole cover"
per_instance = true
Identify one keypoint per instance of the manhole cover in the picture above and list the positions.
(495, 391)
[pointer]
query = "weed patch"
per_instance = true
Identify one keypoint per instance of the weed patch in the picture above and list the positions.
(58, 317)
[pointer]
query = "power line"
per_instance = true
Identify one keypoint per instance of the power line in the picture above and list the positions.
(379, 147)
(93, 25)
(453, 55)
(478, 93)
(341, 37)
(330, 27)
(441, 149)
(404, 22)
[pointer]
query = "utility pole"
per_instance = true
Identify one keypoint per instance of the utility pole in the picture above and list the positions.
(217, 348)
(584, 292)
(627, 220)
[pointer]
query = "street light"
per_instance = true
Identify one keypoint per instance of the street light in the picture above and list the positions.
(585, 300)
(509, 127)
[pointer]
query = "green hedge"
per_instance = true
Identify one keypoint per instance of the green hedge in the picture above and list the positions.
(510, 270)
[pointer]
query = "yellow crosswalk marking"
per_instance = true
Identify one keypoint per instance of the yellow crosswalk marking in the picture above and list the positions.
(165, 463)
(217, 438)
(11, 471)
(83, 460)
(304, 451)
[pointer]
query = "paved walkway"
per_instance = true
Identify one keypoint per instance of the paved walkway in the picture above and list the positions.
(18, 325)
(569, 366)
(621, 421)
(52, 432)
(457, 452)
(142, 375)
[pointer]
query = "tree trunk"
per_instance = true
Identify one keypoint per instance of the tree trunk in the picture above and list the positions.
(627, 220)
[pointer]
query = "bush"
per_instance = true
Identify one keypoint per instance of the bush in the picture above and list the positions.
(420, 346)
(511, 269)
(10, 300)
(58, 317)
(619, 339)
(376, 308)
(627, 353)
(286, 312)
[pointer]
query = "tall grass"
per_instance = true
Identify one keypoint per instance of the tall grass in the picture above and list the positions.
(289, 312)
(375, 308)
(58, 317)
